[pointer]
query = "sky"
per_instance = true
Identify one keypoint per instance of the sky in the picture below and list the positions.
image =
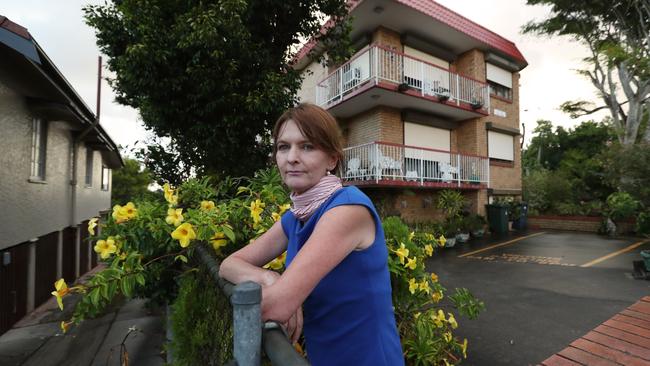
(549, 79)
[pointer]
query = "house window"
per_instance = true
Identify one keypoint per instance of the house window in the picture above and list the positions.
(39, 149)
(500, 81)
(89, 167)
(500, 90)
(106, 174)
(501, 147)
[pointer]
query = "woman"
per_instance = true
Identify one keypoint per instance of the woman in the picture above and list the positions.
(336, 266)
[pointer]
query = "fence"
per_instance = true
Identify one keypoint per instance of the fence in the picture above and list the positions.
(250, 336)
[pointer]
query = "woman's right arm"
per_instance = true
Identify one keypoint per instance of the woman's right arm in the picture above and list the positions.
(246, 263)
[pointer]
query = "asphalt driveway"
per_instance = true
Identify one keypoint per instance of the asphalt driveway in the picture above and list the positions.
(542, 290)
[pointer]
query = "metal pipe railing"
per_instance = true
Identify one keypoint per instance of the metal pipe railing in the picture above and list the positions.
(250, 336)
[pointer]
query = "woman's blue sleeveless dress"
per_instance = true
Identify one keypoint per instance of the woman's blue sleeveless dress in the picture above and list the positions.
(348, 317)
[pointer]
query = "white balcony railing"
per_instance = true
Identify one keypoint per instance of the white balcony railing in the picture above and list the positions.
(377, 161)
(376, 63)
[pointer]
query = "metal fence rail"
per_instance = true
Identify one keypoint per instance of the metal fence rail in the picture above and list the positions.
(250, 336)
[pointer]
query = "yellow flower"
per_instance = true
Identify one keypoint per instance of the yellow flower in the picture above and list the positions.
(278, 262)
(207, 205)
(447, 336)
(411, 235)
(402, 252)
(276, 216)
(424, 286)
(412, 263)
(184, 234)
(463, 347)
(105, 247)
(122, 256)
(442, 241)
(124, 213)
(452, 321)
(434, 277)
(413, 285)
(169, 195)
(256, 208)
(284, 207)
(174, 216)
(65, 325)
(61, 290)
(428, 249)
(437, 296)
(92, 224)
(218, 240)
(417, 315)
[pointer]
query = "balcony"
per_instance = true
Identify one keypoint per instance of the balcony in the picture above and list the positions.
(387, 164)
(403, 82)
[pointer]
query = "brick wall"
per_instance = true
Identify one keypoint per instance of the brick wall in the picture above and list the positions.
(388, 38)
(362, 128)
(392, 127)
(575, 223)
(472, 64)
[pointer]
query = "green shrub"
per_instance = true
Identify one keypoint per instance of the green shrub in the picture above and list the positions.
(643, 224)
(621, 205)
(202, 323)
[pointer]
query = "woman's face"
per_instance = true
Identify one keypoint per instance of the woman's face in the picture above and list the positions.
(301, 164)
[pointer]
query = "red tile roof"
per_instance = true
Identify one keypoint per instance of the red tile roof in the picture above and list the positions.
(446, 16)
(14, 28)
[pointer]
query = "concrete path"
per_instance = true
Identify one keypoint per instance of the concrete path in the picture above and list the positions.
(37, 339)
(539, 298)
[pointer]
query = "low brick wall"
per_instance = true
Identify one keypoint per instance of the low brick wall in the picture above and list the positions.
(575, 223)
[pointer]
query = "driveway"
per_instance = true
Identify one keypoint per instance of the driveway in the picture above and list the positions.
(542, 290)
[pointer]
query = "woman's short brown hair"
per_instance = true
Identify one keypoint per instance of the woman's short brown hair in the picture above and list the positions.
(317, 125)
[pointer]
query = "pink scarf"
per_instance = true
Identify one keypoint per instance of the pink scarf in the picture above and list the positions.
(309, 201)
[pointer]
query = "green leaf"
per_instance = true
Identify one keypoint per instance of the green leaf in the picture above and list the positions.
(127, 286)
(94, 296)
(229, 233)
(181, 258)
(140, 279)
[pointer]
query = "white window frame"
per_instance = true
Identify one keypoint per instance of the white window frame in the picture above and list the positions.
(39, 149)
(106, 178)
(90, 155)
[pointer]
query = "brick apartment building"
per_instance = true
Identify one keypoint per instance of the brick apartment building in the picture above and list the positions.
(429, 101)
(55, 174)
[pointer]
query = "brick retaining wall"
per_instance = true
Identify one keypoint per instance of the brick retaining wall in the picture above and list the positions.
(575, 223)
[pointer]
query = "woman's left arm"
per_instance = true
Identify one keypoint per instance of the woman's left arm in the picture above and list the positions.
(338, 232)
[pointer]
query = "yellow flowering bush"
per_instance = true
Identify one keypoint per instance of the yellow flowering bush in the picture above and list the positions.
(146, 244)
(425, 328)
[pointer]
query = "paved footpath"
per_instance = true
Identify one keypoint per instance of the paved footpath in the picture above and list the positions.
(38, 340)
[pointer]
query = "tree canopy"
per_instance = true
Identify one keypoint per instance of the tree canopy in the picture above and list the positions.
(213, 76)
(129, 182)
(617, 33)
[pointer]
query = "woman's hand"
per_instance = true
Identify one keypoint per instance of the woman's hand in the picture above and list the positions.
(293, 326)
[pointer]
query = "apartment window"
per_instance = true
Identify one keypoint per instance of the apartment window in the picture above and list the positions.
(39, 149)
(106, 174)
(500, 81)
(501, 147)
(89, 167)
(500, 90)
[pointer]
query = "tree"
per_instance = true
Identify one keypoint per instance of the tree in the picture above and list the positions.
(130, 182)
(618, 37)
(213, 76)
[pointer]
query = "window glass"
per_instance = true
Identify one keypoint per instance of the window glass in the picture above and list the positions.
(39, 148)
(89, 166)
(106, 173)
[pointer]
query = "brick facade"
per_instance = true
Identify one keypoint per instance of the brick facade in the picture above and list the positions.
(575, 223)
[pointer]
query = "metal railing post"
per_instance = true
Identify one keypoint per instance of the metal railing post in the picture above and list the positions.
(458, 170)
(247, 323)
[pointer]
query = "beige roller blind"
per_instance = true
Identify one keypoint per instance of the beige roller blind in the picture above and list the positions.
(426, 57)
(417, 135)
(499, 75)
(501, 146)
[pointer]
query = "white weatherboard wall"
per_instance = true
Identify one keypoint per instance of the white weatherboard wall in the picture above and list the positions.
(29, 210)
(501, 146)
(428, 137)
